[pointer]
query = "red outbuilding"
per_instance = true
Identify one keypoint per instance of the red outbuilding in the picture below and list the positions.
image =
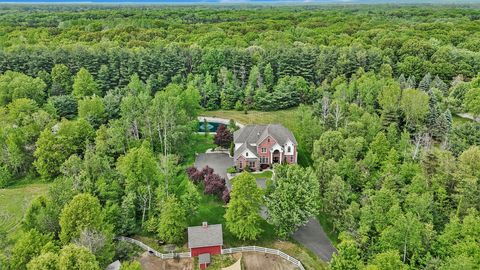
(205, 239)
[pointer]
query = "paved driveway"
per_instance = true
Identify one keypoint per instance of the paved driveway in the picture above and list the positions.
(314, 238)
(219, 162)
(311, 235)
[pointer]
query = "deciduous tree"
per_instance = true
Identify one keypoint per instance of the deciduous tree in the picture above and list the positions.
(243, 211)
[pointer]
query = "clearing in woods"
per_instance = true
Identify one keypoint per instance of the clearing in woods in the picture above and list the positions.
(14, 203)
(250, 261)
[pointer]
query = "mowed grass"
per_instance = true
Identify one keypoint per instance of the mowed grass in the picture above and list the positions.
(15, 201)
(198, 144)
(212, 210)
(284, 117)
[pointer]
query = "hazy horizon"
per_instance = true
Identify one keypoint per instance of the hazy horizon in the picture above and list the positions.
(245, 1)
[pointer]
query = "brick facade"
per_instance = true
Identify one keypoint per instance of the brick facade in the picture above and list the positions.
(260, 146)
(266, 145)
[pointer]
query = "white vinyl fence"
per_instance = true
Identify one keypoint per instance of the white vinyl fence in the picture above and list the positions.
(264, 250)
(224, 251)
(153, 251)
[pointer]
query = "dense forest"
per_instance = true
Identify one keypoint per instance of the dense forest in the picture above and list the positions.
(102, 102)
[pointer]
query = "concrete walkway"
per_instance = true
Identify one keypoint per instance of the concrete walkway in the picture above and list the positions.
(314, 238)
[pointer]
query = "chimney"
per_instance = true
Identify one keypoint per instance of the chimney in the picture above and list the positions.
(204, 224)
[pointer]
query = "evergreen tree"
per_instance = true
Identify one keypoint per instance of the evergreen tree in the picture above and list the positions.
(425, 83)
(269, 77)
(403, 82)
(411, 82)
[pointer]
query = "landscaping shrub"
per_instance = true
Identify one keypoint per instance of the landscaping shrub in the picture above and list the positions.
(226, 196)
(231, 170)
(195, 175)
(223, 137)
(5, 177)
(207, 171)
(214, 185)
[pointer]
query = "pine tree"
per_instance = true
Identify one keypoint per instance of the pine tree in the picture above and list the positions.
(403, 81)
(411, 82)
(424, 84)
(439, 84)
(103, 79)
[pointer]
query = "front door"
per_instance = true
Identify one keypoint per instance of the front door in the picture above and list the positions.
(276, 156)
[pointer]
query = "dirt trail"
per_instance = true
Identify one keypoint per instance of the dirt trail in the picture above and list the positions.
(261, 261)
(150, 262)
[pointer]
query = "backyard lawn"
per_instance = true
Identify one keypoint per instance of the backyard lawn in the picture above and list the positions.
(284, 117)
(14, 202)
(211, 209)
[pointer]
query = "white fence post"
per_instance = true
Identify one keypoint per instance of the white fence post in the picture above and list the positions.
(223, 251)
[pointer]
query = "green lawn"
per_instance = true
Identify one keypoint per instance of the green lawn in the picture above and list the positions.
(14, 201)
(212, 210)
(457, 120)
(284, 117)
(199, 144)
(264, 174)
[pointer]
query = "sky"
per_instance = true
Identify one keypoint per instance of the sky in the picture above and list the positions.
(245, 1)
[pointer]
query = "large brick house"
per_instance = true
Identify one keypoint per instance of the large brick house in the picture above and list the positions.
(260, 146)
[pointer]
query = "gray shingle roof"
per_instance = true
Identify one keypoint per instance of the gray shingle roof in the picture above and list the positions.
(199, 236)
(204, 258)
(254, 134)
(242, 148)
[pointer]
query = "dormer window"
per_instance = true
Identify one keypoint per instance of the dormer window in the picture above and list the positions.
(268, 140)
(246, 154)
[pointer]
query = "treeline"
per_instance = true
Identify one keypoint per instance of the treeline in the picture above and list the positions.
(111, 125)
(398, 182)
(114, 169)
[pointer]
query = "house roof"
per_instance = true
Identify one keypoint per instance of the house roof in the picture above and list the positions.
(204, 258)
(244, 147)
(208, 236)
(253, 134)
